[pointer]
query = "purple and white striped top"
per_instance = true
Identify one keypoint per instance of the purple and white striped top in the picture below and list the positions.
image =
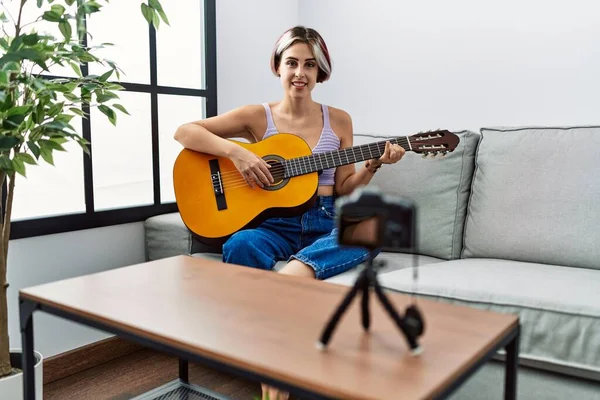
(327, 142)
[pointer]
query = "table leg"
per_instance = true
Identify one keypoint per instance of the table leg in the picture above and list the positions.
(512, 360)
(183, 370)
(26, 309)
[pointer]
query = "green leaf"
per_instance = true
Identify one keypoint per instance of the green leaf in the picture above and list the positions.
(77, 111)
(76, 68)
(106, 96)
(13, 122)
(21, 110)
(31, 40)
(105, 76)
(8, 142)
(3, 78)
(58, 9)
(19, 166)
(35, 149)
(26, 158)
(155, 4)
(39, 3)
(110, 113)
(5, 164)
(65, 29)
(50, 144)
(121, 108)
(10, 66)
(72, 97)
(55, 109)
(70, 2)
(164, 17)
(47, 155)
(155, 20)
(51, 16)
(55, 126)
(114, 86)
(147, 13)
(3, 18)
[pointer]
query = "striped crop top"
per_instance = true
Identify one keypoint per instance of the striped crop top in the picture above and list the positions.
(327, 142)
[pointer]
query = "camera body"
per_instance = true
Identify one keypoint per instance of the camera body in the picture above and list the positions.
(375, 220)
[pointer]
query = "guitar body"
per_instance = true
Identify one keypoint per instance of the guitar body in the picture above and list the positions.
(215, 201)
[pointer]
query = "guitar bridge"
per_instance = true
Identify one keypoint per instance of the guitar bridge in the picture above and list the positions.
(217, 183)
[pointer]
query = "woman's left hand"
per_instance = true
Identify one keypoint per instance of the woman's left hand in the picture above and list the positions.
(392, 154)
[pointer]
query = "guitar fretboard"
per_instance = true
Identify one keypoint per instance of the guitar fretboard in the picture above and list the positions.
(333, 159)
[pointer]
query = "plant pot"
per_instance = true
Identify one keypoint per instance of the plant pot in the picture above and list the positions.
(11, 386)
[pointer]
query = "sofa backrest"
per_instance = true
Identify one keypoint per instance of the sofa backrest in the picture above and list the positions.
(439, 188)
(536, 196)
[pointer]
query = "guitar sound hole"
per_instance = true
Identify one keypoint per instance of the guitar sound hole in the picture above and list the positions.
(277, 171)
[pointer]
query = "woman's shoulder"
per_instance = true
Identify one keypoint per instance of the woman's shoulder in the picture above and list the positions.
(339, 119)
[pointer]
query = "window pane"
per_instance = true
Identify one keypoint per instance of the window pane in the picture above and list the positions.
(29, 15)
(122, 155)
(172, 112)
(181, 65)
(122, 23)
(52, 190)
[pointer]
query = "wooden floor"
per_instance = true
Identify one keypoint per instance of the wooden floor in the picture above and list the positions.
(140, 372)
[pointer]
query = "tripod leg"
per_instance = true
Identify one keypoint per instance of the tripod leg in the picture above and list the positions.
(411, 337)
(328, 331)
(366, 317)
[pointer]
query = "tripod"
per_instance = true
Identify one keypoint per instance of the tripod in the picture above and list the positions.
(411, 325)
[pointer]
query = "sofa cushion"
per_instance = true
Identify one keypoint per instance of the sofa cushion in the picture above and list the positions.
(166, 236)
(536, 196)
(559, 307)
(392, 262)
(439, 188)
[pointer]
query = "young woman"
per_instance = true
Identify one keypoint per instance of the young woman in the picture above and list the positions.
(307, 242)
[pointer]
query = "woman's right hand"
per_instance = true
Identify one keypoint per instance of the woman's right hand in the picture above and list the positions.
(254, 169)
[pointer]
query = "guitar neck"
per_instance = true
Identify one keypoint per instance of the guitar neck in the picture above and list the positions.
(333, 159)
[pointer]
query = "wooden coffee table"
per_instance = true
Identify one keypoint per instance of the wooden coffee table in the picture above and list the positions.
(263, 326)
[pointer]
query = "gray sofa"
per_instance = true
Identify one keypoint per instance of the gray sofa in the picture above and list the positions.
(510, 221)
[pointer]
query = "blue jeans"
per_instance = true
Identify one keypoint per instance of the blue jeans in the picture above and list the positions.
(310, 238)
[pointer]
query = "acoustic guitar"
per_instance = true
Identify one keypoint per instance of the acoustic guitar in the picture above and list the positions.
(215, 201)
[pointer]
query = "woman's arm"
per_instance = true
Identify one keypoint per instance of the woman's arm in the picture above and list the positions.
(210, 136)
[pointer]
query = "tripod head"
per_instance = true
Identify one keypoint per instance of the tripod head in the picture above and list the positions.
(377, 221)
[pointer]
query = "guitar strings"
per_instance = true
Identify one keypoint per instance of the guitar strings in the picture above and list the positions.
(239, 181)
(304, 161)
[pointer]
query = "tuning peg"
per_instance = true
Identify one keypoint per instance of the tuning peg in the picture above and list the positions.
(444, 153)
(425, 155)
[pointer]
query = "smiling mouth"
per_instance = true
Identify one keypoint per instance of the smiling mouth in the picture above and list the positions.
(299, 84)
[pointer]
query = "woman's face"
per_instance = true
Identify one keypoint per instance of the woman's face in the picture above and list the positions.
(298, 70)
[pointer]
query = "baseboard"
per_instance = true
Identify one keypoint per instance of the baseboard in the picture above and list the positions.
(70, 362)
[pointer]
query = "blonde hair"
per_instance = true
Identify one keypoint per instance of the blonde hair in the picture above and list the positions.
(316, 43)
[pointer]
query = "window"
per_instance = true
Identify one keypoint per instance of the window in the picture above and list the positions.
(169, 78)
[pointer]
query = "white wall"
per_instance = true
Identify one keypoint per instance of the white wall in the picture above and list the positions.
(246, 32)
(42, 259)
(403, 66)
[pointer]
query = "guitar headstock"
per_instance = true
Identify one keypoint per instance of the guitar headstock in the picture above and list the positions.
(434, 142)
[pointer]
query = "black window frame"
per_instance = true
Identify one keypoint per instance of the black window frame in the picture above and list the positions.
(94, 219)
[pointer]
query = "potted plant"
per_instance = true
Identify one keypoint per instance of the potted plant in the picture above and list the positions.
(36, 111)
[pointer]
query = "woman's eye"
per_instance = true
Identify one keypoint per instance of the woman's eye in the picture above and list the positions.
(291, 63)
(310, 65)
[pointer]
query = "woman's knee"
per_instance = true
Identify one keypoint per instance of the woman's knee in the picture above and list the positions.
(239, 242)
